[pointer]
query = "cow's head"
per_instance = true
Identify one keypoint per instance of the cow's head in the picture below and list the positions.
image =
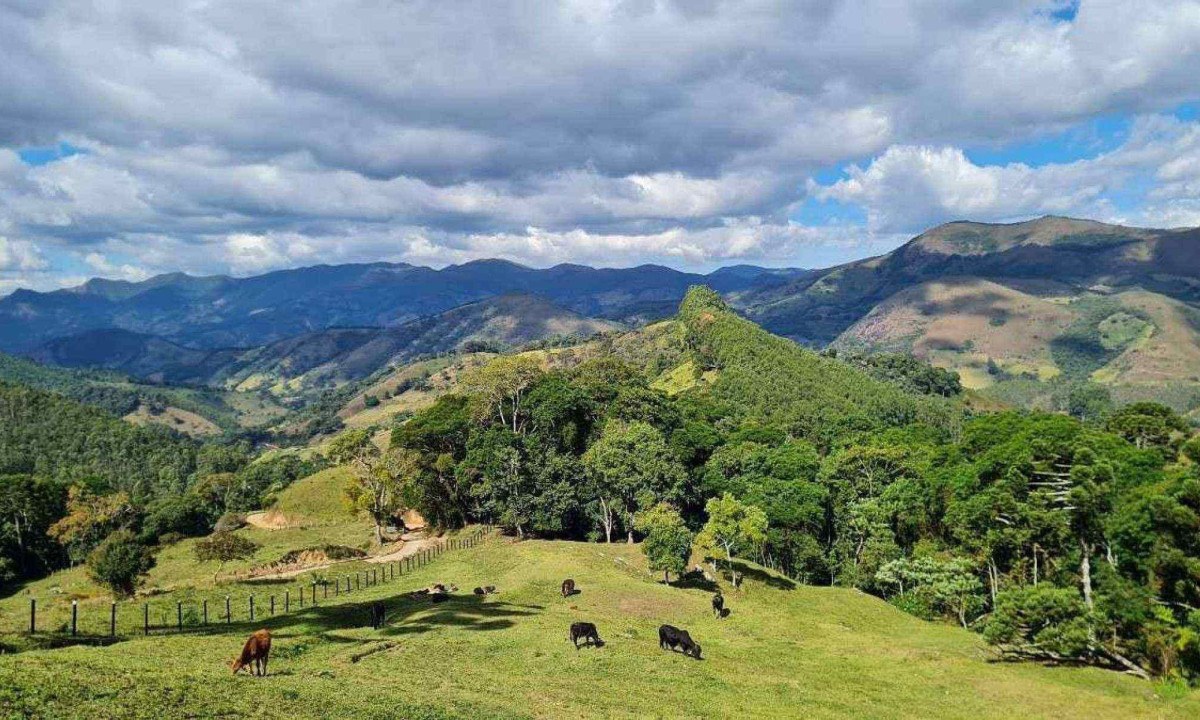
(237, 665)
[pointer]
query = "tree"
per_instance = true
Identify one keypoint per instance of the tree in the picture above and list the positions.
(1147, 424)
(1088, 401)
(943, 586)
(224, 546)
(626, 463)
(380, 484)
(668, 542)
(119, 562)
(732, 528)
(28, 507)
(89, 519)
(498, 388)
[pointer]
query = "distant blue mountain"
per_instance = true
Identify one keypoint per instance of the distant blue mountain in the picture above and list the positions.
(223, 312)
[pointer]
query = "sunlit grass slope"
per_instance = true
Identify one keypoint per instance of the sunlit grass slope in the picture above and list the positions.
(785, 651)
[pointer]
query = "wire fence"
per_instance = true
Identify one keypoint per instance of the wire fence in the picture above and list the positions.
(146, 617)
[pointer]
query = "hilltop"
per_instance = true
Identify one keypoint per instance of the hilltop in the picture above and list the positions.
(1048, 303)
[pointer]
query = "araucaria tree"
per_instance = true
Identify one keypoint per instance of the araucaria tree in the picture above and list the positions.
(668, 542)
(732, 528)
(627, 464)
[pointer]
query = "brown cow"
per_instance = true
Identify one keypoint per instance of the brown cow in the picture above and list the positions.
(257, 650)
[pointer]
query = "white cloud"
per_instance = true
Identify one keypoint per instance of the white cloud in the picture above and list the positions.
(909, 188)
(230, 136)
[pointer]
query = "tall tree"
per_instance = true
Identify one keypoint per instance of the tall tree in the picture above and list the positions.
(498, 388)
(732, 529)
(380, 482)
(629, 463)
(668, 542)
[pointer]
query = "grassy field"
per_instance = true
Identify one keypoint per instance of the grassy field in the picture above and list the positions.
(785, 651)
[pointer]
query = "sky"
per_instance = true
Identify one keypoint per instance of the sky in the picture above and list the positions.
(241, 137)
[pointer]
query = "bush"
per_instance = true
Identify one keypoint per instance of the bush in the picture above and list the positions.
(230, 521)
(119, 562)
(184, 515)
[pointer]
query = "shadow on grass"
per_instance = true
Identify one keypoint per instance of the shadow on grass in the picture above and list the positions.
(757, 574)
(404, 615)
(695, 581)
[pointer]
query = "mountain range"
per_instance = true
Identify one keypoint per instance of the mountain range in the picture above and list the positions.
(1020, 310)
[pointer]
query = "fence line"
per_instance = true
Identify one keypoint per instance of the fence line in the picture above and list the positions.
(363, 579)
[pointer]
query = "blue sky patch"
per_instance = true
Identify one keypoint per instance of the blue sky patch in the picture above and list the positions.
(36, 156)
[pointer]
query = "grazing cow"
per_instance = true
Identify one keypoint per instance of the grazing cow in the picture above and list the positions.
(568, 588)
(671, 637)
(257, 650)
(485, 590)
(585, 631)
(479, 591)
(718, 603)
(378, 615)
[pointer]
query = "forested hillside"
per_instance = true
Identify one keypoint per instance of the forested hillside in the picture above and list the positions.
(71, 474)
(1060, 540)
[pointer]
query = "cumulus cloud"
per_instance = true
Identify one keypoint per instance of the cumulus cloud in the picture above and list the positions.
(908, 188)
(238, 137)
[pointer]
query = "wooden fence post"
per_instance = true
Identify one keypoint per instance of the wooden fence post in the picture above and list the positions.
(146, 618)
(32, 616)
(112, 620)
(74, 617)
(228, 612)
(179, 614)
(287, 601)
(272, 605)
(205, 612)
(251, 608)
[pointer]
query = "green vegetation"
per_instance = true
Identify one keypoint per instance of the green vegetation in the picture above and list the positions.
(784, 649)
(1103, 329)
(1068, 540)
(77, 474)
(119, 562)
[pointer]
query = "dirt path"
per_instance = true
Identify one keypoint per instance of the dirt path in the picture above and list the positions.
(408, 548)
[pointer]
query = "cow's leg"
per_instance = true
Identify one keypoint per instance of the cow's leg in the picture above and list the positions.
(265, 659)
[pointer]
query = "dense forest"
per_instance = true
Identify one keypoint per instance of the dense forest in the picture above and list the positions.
(71, 474)
(1059, 538)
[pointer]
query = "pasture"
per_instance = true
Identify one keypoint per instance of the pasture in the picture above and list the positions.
(784, 651)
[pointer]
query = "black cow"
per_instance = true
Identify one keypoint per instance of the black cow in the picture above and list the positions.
(671, 637)
(718, 603)
(485, 590)
(479, 591)
(568, 588)
(585, 631)
(378, 615)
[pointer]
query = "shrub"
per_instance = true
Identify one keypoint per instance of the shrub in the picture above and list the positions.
(119, 562)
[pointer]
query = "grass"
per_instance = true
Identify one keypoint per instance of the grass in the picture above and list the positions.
(785, 651)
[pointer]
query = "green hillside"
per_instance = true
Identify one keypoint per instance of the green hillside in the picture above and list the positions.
(120, 396)
(785, 651)
(765, 376)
